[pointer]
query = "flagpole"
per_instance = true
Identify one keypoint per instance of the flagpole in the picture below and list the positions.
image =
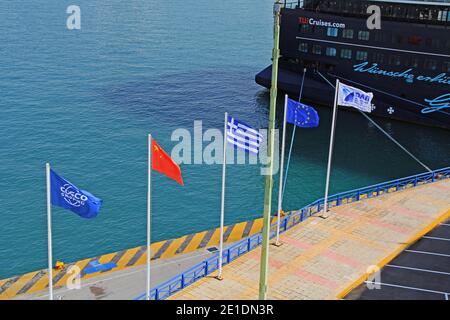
(264, 265)
(222, 206)
(330, 154)
(49, 233)
(149, 189)
(280, 191)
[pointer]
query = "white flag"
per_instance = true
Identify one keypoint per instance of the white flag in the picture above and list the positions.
(352, 97)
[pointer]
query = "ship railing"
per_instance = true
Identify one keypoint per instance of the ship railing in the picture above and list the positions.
(210, 265)
(438, 16)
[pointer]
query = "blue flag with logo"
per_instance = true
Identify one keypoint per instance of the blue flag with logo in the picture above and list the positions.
(64, 194)
(301, 115)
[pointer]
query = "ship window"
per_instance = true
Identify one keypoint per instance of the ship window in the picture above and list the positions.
(332, 32)
(317, 49)
(395, 60)
(305, 28)
(363, 35)
(433, 42)
(397, 39)
(378, 57)
(431, 64)
(303, 47)
(346, 53)
(446, 67)
(379, 36)
(413, 63)
(426, 14)
(348, 33)
(331, 52)
(361, 55)
(443, 15)
(447, 44)
(411, 13)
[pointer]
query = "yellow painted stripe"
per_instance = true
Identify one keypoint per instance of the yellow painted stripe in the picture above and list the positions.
(215, 238)
(154, 248)
(257, 226)
(122, 263)
(170, 251)
(12, 291)
(107, 257)
(236, 233)
(195, 242)
(395, 253)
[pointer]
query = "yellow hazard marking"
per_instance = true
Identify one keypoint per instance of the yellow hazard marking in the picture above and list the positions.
(107, 257)
(195, 242)
(236, 233)
(22, 281)
(127, 256)
(173, 247)
(257, 226)
(215, 239)
(38, 280)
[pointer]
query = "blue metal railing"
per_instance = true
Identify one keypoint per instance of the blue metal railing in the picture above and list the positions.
(203, 269)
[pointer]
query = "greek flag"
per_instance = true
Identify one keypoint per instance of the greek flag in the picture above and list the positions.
(352, 97)
(243, 136)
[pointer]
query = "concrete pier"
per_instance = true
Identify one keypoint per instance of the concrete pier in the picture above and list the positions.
(191, 249)
(319, 259)
(327, 258)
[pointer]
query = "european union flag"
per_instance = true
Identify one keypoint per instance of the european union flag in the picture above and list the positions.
(301, 115)
(64, 194)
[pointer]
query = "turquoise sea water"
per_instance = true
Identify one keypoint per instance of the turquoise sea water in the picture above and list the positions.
(85, 101)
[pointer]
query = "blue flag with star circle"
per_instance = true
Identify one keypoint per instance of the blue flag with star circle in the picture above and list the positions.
(301, 115)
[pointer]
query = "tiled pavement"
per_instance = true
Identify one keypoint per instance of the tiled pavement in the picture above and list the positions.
(321, 258)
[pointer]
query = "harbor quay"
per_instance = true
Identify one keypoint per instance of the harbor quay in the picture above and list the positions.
(169, 258)
(327, 258)
(224, 158)
(320, 258)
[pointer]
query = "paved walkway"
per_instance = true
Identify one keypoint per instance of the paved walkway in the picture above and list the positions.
(324, 258)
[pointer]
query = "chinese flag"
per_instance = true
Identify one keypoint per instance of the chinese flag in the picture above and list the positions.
(164, 164)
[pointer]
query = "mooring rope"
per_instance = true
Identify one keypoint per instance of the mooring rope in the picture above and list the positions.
(383, 131)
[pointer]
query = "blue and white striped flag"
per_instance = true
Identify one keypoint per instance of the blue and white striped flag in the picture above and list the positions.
(243, 136)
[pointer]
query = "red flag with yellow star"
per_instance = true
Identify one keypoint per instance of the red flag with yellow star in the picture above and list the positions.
(164, 164)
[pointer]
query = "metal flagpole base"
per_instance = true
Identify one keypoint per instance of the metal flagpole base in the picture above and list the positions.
(324, 215)
(220, 278)
(277, 244)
